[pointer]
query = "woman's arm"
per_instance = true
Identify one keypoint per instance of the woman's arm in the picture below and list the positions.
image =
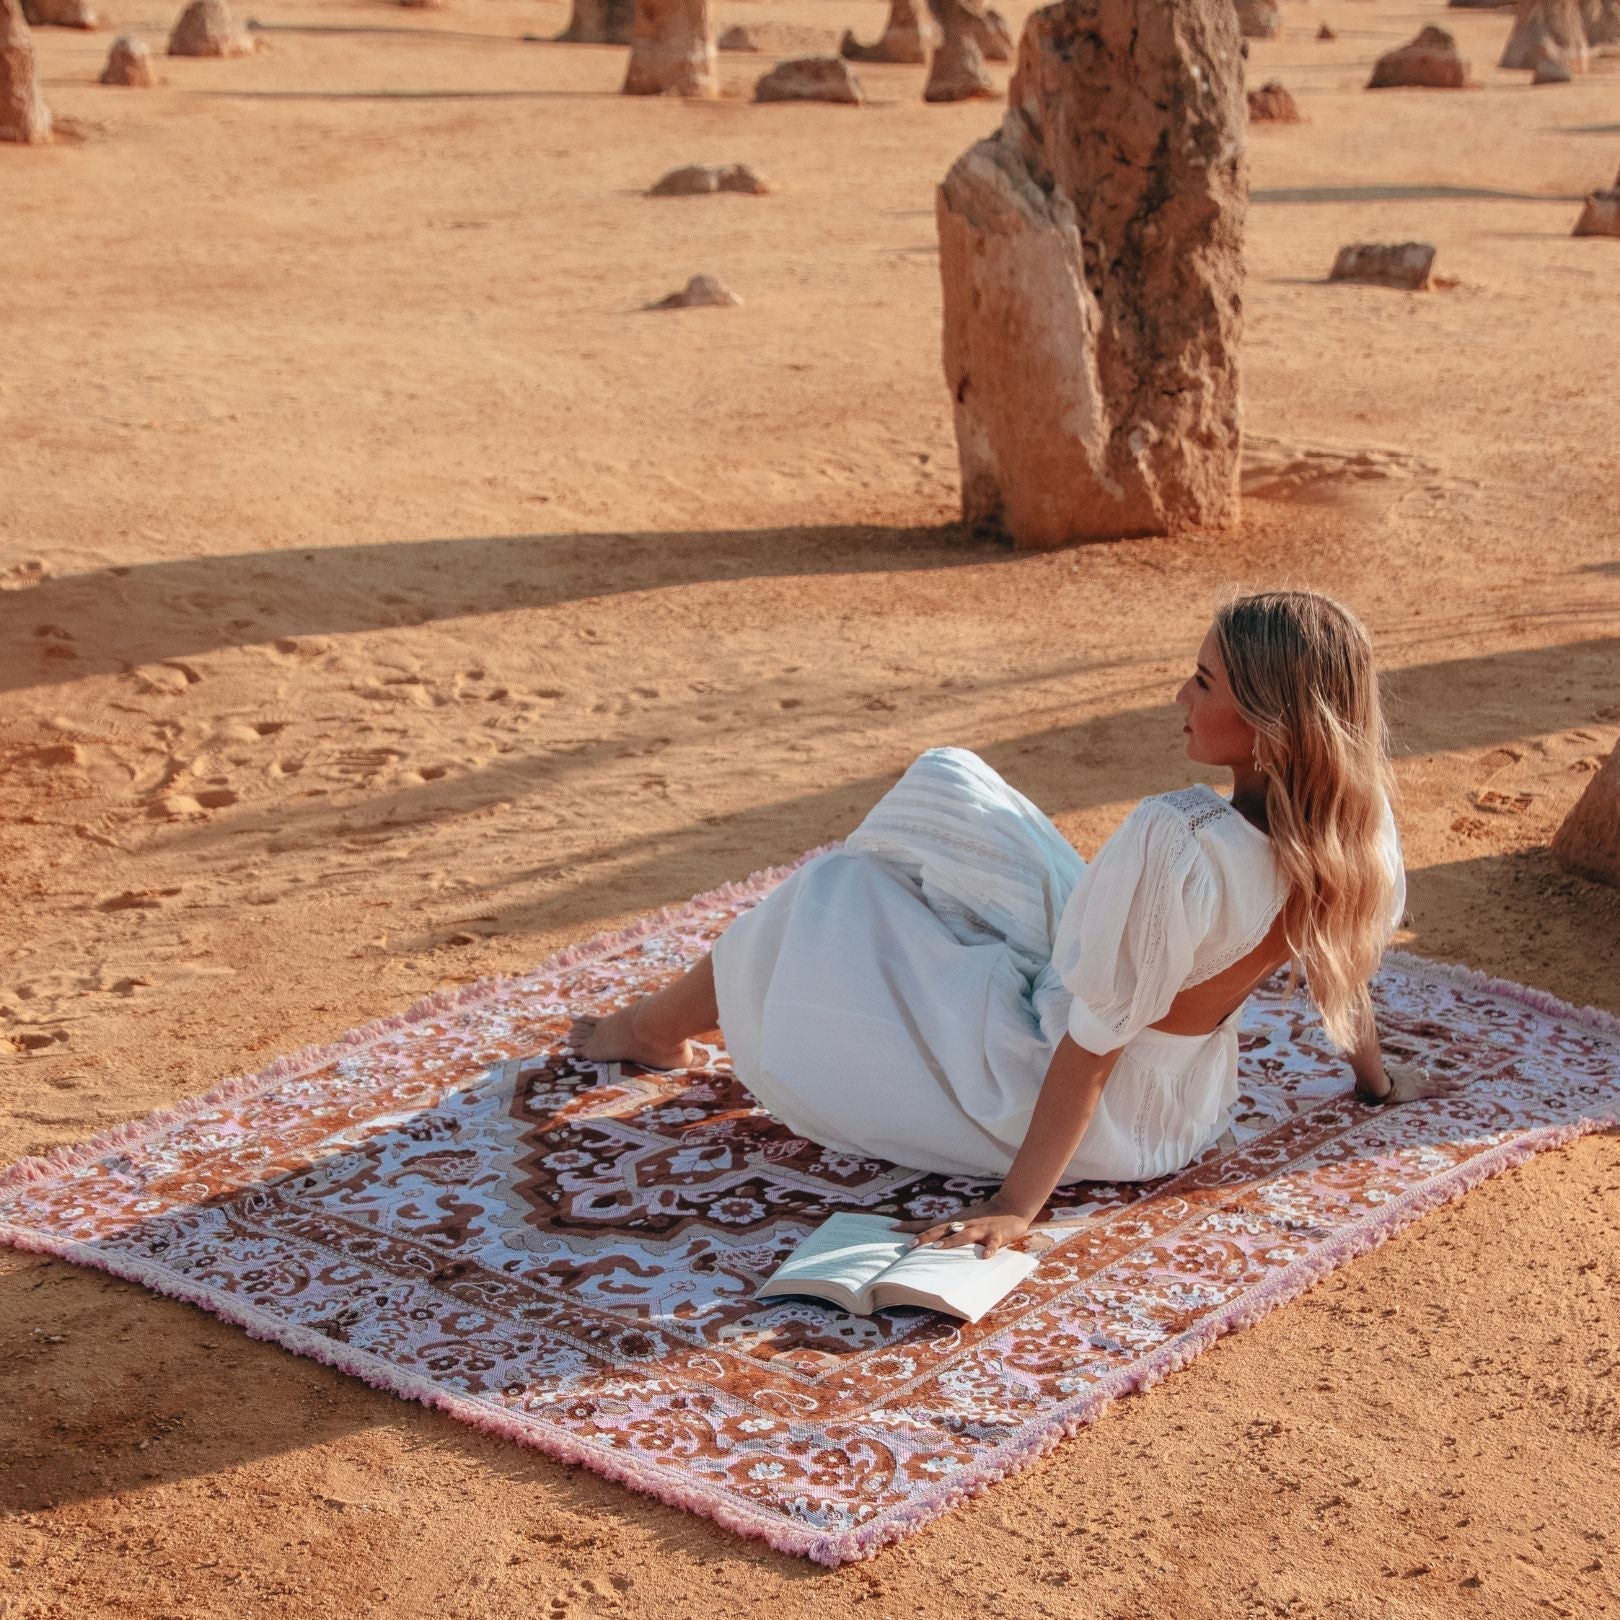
(1398, 1082)
(1074, 1081)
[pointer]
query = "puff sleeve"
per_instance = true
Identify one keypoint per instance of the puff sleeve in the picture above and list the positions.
(1125, 942)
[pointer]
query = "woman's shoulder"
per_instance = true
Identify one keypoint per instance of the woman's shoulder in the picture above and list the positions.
(1203, 814)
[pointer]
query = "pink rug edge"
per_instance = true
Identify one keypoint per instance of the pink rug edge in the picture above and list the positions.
(832, 1549)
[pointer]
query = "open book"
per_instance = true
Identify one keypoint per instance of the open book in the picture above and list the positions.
(863, 1264)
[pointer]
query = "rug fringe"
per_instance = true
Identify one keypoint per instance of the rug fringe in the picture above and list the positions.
(293, 1066)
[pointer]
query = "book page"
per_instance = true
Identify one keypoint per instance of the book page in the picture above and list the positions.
(847, 1250)
(960, 1281)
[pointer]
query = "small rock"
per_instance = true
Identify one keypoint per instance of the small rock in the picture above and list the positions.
(1549, 70)
(1601, 215)
(210, 28)
(1272, 104)
(1385, 264)
(701, 292)
(129, 62)
(703, 179)
(1431, 61)
(811, 78)
(1324, 32)
(1543, 28)
(908, 36)
(1259, 19)
(60, 14)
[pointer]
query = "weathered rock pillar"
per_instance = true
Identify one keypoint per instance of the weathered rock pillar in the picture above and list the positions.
(908, 36)
(956, 72)
(672, 50)
(599, 22)
(1545, 29)
(1589, 839)
(1091, 253)
(23, 116)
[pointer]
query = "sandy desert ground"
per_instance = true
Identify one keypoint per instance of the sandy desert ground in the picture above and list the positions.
(388, 600)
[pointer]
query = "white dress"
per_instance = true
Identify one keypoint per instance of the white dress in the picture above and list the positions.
(901, 997)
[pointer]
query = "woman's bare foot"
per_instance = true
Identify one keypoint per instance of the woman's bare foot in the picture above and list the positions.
(619, 1038)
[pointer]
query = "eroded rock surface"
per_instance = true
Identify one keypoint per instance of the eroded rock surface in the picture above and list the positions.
(1601, 21)
(1272, 104)
(704, 179)
(23, 115)
(1431, 61)
(129, 62)
(60, 14)
(1091, 261)
(1601, 214)
(957, 71)
(672, 51)
(600, 22)
(1588, 842)
(811, 78)
(1549, 70)
(1259, 19)
(1385, 264)
(701, 292)
(209, 28)
(908, 36)
(1547, 30)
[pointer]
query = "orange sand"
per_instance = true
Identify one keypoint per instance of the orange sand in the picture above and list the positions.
(389, 601)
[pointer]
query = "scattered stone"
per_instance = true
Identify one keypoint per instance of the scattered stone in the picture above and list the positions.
(908, 36)
(957, 72)
(672, 50)
(704, 179)
(60, 14)
(811, 78)
(701, 292)
(1091, 260)
(1324, 32)
(129, 62)
(1551, 71)
(1601, 215)
(23, 115)
(1601, 21)
(775, 38)
(599, 22)
(1259, 19)
(1545, 29)
(1588, 842)
(1272, 104)
(209, 28)
(1385, 264)
(1430, 61)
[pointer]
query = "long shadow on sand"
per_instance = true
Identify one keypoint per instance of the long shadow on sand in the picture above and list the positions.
(1391, 193)
(190, 605)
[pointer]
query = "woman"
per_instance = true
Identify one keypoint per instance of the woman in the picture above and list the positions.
(954, 989)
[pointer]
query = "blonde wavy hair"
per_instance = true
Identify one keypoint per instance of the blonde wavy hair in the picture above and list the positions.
(1300, 666)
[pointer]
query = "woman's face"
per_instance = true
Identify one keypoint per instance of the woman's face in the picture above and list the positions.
(1215, 734)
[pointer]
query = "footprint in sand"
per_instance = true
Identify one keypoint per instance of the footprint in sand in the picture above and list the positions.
(138, 900)
(1333, 475)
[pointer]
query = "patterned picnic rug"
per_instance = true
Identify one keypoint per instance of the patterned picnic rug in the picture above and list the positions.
(566, 1253)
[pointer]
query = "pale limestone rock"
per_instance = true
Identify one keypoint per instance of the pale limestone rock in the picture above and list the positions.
(990, 32)
(1385, 264)
(209, 28)
(60, 14)
(1091, 262)
(704, 179)
(1551, 71)
(1259, 19)
(1588, 842)
(957, 71)
(600, 22)
(811, 78)
(672, 50)
(129, 62)
(1272, 104)
(1547, 29)
(1430, 61)
(908, 36)
(23, 114)
(701, 292)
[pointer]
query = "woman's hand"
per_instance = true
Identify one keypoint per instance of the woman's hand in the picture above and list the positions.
(988, 1224)
(1412, 1083)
